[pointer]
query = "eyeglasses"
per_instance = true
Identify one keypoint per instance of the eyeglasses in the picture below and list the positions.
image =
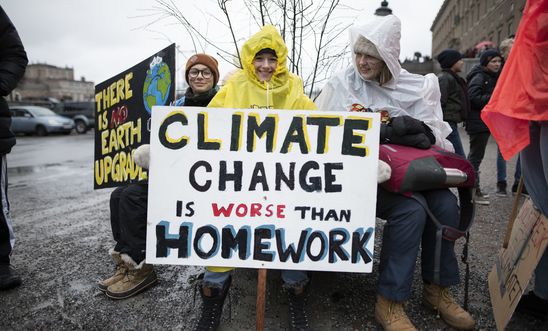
(206, 73)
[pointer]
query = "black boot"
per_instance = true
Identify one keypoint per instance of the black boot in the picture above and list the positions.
(8, 278)
(296, 298)
(532, 305)
(212, 305)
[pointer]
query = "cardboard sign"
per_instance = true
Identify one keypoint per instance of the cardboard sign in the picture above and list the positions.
(123, 105)
(515, 265)
(280, 189)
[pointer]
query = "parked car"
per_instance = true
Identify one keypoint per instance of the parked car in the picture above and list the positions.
(82, 112)
(39, 120)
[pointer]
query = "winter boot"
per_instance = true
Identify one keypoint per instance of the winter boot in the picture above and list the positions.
(439, 299)
(481, 198)
(118, 272)
(213, 299)
(136, 278)
(296, 297)
(8, 277)
(391, 316)
(531, 304)
(501, 189)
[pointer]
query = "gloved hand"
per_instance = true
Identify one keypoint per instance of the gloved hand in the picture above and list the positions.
(406, 130)
(141, 156)
(404, 125)
(384, 172)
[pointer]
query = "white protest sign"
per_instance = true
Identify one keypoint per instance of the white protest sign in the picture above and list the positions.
(279, 189)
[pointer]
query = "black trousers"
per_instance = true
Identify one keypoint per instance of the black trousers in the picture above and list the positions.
(128, 219)
(7, 238)
(478, 144)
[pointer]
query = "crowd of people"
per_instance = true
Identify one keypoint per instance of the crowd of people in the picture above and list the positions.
(376, 81)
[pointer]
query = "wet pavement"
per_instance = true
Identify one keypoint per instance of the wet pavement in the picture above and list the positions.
(63, 235)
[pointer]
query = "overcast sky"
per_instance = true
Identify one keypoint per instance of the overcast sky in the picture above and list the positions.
(101, 38)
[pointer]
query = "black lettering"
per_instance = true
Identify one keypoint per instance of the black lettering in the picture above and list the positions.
(295, 134)
(202, 139)
(335, 245)
(323, 123)
(280, 176)
(259, 247)
(208, 229)
(296, 256)
(192, 176)
(349, 138)
(268, 126)
(258, 177)
(321, 253)
(359, 241)
(236, 176)
(330, 185)
(238, 242)
(168, 142)
(163, 242)
(315, 182)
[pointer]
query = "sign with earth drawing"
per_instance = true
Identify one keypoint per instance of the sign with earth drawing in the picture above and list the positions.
(123, 106)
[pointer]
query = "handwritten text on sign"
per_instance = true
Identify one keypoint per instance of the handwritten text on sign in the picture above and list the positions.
(282, 189)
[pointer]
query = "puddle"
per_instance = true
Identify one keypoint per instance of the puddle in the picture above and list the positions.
(35, 169)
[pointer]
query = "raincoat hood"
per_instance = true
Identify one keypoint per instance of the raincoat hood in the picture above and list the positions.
(405, 94)
(245, 90)
(385, 33)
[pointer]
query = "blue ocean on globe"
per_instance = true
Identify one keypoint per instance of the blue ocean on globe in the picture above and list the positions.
(157, 85)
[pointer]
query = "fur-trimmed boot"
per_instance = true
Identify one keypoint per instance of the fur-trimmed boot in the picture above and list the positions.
(136, 279)
(212, 305)
(391, 315)
(296, 299)
(118, 272)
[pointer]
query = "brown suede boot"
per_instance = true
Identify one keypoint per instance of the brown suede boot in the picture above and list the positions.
(391, 316)
(118, 272)
(439, 298)
(136, 278)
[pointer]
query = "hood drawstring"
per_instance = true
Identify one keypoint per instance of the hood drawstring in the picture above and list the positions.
(267, 93)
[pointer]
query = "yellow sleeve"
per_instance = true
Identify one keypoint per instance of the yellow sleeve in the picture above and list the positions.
(218, 100)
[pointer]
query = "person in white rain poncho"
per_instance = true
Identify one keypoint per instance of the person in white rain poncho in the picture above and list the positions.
(376, 82)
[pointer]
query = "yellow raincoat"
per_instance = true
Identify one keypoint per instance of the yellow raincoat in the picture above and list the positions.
(245, 90)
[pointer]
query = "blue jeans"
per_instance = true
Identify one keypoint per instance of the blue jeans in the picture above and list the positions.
(289, 277)
(454, 138)
(407, 227)
(534, 162)
(501, 167)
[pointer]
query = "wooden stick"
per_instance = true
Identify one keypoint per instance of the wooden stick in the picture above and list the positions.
(261, 294)
(513, 214)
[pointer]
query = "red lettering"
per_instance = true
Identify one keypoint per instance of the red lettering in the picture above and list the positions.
(241, 210)
(225, 211)
(255, 209)
(269, 211)
(280, 211)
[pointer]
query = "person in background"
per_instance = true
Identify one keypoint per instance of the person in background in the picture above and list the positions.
(265, 83)
(376, 80)
(481, 83)
(454, 94)
(128, 203)
(13, 61)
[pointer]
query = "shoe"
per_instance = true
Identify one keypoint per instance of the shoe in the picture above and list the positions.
(119, 272)
(136, 278)
(439, 299)
(523, 190)
(213, 299)
(391, 316)
(501, 189)
(532, 305)
(480, 198)
(298, 320)
(8, 277)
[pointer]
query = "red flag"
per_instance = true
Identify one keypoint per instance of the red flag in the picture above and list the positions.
(521, 94)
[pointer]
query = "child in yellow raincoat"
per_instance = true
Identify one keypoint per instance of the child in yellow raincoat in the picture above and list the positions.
(263, 83)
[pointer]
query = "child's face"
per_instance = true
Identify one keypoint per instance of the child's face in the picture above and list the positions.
(265, 66)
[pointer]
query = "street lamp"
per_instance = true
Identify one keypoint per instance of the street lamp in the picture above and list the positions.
(383, 10)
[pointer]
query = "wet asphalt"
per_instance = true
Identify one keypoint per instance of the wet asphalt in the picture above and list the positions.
(63, 235)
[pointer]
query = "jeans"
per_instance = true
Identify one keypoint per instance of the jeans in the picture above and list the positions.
(407, 226)
(478, 143)
(289, 277)
(454, 138)
(501, 167)
(534, 162)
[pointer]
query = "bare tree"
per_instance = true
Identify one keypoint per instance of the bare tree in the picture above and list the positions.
(311, 30)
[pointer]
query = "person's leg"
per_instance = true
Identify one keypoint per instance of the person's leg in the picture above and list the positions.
(541, 277)
(295, 285)
(115, 218)
(8, 277)
(213, 285)
(478, 144)
(402, 233)
(534, 164)
(501, 174)
(454, 138)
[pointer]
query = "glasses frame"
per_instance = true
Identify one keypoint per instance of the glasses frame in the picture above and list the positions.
(194, 73)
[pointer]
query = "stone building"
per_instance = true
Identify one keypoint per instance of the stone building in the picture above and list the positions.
(44, 81)
(462, 24)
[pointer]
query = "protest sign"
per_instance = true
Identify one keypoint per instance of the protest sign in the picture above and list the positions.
(515, 265)
(123, 105)
(280, 189)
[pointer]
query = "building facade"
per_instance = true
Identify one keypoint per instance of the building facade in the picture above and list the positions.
(45, 81)
(462, 24)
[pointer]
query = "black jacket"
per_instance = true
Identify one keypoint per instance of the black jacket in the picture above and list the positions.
(481, 84)
(13, 61)
(454, 97)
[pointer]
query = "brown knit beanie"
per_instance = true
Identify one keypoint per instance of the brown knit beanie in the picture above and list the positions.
(207, 60)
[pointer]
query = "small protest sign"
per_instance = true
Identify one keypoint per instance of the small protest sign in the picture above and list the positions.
(123, 105)
(280, 189)
(515, 265)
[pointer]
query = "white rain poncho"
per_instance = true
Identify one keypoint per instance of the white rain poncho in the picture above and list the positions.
(405, 94)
